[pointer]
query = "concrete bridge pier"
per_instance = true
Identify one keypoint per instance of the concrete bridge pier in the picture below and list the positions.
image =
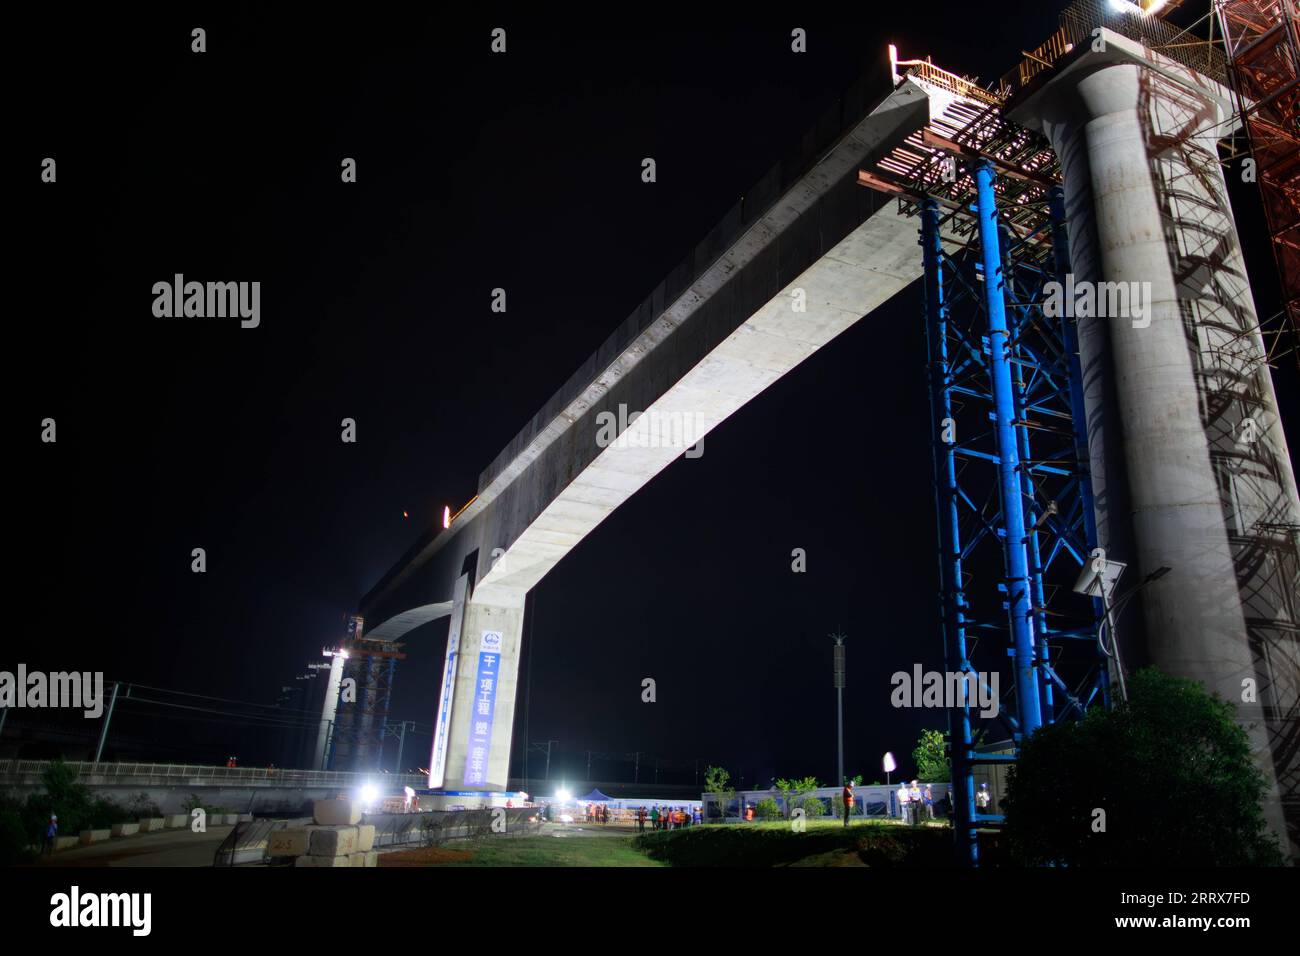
(483, 702)
(1190, 465)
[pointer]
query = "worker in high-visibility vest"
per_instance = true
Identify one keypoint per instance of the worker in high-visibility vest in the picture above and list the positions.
(847, 797)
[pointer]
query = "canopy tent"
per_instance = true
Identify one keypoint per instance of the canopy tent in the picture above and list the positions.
(594, 797)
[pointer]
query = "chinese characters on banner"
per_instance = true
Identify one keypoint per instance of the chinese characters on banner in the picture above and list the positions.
(485, 698)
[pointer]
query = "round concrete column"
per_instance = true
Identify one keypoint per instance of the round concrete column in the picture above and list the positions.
(1183, 480)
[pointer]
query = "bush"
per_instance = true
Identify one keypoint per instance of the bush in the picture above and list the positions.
(1171, 770)
(15, 843)
(767, 809)
(812, 807)
(782, 846)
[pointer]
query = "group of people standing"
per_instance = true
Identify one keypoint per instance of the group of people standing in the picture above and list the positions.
(669, 818)
(913, 801)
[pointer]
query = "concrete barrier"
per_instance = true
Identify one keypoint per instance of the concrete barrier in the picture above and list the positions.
(365, 838)
(125, 829)
(152, 825)
(333, 841)
(333, 813)
(94, 836)
(291, 841)
(65, 843)
(369, 858)
(244, 818)
(175, 821)
(322, 861)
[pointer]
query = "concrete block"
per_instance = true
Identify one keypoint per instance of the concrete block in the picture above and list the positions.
(291, 841)
(333, 841)
(369, 858)
(365, 837)
(65, 842)
(333, 813)
(125, 829)
(94, 836)
(245, 818)
(174, 821)
(322, 861)
(153, 824)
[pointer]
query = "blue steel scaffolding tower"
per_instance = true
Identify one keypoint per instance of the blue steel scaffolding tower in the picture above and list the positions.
(1012, 495)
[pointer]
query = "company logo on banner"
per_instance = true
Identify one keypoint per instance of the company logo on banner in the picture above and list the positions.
(485, 698)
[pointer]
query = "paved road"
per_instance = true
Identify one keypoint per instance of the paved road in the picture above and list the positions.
(164, 848)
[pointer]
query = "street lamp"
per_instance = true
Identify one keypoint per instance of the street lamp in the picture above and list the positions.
(1100, 583)
(838, 678)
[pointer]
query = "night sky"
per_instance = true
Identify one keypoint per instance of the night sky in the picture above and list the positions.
(475, 171)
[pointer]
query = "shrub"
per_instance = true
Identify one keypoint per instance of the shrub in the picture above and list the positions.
(1171, 770)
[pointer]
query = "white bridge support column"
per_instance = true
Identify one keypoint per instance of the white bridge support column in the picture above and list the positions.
(1182, 479)
(482, 716)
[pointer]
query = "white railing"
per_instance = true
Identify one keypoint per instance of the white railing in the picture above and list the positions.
(197, 773)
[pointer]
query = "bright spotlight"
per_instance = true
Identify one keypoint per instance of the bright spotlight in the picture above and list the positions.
(1125, 6)
(563, 796)
(369, 794)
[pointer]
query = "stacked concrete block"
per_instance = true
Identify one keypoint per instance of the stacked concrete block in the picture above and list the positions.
(335, 838)
(152, 824)
(125, 829)
(291, 841)
(333, 841)
(365, 838)
(310, 860)
(333, 813)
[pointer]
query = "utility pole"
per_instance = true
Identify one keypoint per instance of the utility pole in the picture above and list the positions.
(588, 766)
(108, 717)
(636, 767)
(548, 759)
(838, 676)
(401, 743)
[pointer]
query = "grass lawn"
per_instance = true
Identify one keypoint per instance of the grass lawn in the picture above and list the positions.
(526, 851)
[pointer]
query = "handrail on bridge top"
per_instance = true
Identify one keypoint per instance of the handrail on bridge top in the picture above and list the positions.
(172, 771)
(926, 71)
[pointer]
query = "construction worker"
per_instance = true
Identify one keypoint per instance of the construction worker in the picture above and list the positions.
(847, 798)
(51, 834)
(914, 797)
(904, 802)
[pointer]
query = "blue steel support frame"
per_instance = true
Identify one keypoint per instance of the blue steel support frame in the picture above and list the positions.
(1028, 693)
(952, 596)
(1010, 468)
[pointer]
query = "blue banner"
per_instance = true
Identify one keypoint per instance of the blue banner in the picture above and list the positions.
(485, 698)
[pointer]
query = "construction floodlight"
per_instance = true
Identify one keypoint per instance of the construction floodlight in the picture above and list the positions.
(1099, 583)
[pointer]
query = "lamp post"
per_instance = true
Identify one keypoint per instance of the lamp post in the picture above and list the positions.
(838, 677)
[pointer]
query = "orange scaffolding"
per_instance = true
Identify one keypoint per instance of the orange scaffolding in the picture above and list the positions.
(1263, 48)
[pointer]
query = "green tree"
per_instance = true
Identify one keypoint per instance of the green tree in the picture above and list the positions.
(1166, 778)
(931, 757)
(791, 790)
(718, 781)
(767, 809)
